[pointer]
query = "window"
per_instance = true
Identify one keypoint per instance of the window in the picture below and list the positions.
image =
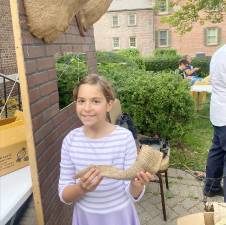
(132, 42)
(132, 20)
(212, 36)
(115, 43)
(163, 38)
(163, 6)
(115, 21)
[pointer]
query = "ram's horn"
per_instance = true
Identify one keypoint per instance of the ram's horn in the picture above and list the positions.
(90, 13)
(47, 19)
(149, 160)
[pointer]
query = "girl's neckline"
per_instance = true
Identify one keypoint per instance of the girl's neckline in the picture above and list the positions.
(99, 138)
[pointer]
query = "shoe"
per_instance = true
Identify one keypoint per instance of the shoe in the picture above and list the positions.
(212, 194)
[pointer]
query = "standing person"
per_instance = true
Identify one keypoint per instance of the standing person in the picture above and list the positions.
(98, 200)
(216, 162)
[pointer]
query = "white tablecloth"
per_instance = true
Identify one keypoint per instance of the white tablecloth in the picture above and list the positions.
(15, 188)
(200, 88)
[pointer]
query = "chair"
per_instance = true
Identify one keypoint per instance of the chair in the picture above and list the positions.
(115, 112)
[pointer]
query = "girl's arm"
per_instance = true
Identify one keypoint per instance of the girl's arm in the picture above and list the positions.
(138, 183)
(88, 182)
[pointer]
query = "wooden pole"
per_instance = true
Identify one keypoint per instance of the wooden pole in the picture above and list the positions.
(26, 111)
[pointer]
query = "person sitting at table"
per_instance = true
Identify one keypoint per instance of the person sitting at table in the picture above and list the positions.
(188, 71)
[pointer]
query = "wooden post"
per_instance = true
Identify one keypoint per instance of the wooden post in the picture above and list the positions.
(26, 110)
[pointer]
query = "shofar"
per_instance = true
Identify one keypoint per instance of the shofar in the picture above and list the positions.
(148, 160)
(47, 19)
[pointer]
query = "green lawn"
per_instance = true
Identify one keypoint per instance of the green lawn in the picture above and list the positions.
(192, 153)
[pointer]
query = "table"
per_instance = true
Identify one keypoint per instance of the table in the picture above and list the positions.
(200, 96)
(15, 188)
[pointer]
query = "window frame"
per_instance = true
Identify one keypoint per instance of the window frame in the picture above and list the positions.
(135, 42)
(113, 47)
(167, 8)
(135, 20)
(217, 36)
(112, 21)
(167, 39)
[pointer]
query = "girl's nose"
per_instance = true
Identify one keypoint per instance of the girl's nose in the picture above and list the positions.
(87, 106)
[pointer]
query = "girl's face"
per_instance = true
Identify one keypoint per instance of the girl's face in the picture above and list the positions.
(91, 105)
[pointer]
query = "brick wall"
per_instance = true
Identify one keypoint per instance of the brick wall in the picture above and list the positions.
(50, 124)
(193, 42)
(7, 49)
(143, 31)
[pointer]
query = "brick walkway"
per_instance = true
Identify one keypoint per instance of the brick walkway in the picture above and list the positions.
(184, 197)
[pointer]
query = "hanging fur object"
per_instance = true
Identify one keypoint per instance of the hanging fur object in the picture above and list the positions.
(47, 19)
(149, 160)
(90, 13)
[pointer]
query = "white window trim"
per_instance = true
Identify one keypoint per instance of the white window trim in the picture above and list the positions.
(135, 42)
(167, 40)
(135, 18)
(167, 9)
(217, 34)
(113, 23)
(113, 47)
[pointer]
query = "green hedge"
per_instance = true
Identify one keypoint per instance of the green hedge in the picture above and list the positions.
(165, 52)
(159, 103)
(203, 63)
(68, 75)
(165, 63)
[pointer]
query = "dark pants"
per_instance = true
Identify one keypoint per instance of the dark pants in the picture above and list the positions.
(216, 162)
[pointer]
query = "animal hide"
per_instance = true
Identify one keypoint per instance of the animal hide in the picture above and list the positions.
(47, 19)
(90, 13)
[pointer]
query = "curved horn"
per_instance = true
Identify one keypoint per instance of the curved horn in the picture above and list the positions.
(149, 160)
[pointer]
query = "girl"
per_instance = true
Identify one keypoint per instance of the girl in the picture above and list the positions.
(98, 200)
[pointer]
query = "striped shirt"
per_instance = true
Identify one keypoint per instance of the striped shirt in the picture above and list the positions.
(78, 151)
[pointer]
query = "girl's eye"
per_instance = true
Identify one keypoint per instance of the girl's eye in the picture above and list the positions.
(96, 101)
(80, 101)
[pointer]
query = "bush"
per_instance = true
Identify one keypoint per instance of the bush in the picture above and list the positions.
(165, 52)
(113, 57)
(158, 103)
(165, 63)
(134, 55)
(203, 63)
(68, 75)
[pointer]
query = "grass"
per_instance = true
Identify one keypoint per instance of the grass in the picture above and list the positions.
(192, 152)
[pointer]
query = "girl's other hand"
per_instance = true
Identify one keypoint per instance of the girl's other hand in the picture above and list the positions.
(142, 178)
(90, 180)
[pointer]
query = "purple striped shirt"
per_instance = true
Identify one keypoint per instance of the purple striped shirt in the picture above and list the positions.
(78, 151)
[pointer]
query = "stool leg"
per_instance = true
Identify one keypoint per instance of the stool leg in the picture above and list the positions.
(166, 179)
(162, 195)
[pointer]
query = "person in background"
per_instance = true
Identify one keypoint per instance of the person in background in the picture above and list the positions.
(216, 162)
(188, 71)
(98, 200)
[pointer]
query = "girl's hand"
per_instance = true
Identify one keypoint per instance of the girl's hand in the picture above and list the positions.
(90, 180)
(141, 179)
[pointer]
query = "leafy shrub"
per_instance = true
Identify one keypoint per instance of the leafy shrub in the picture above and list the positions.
(113, 57)
(159, 103)
(158, 64)
(69, 72)
(165, 52)
(134, 55)
(203, 63)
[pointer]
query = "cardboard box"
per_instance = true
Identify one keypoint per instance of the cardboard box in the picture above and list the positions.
(13, 147)
(205, 218)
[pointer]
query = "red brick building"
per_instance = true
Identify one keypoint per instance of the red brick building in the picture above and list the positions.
(113, 31)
